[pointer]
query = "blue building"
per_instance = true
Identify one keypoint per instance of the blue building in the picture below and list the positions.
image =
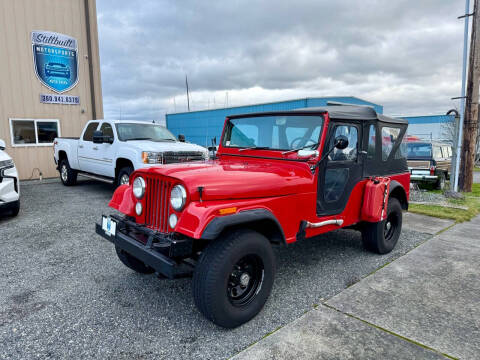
(200, 127)
(434, 127)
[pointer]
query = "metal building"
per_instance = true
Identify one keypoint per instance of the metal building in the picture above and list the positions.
(200, 127)
(50, 77)
(431, 127)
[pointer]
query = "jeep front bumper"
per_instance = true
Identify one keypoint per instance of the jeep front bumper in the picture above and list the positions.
(162, 252)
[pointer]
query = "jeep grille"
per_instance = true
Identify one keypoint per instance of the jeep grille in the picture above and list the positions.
(157, 203)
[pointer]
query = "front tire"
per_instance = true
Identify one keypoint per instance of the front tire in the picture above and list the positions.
(15, 208)
(123, 177)
(132, 262)
(234, 277)
(381, 237)
(67, 174)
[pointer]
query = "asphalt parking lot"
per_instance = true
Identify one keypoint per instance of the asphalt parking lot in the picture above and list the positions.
(65, 294)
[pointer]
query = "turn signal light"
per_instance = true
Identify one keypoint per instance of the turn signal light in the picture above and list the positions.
(432, 170)
(226, 211)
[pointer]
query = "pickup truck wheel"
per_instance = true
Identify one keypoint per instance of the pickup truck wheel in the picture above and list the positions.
(233, 278)
(123, 177)
(15, 209)
(440, 185)
(381, 237)
(132, 262)
(67, 174)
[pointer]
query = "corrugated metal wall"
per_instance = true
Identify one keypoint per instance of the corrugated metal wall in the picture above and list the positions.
(430, 126)
(200, 127)
(19, 87)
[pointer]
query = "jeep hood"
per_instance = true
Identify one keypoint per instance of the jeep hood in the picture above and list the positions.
(239, 179)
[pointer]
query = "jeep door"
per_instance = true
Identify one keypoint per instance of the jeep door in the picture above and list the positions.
(341, 170)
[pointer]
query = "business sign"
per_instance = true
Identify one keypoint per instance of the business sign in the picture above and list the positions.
(55, 60)
(59, 99)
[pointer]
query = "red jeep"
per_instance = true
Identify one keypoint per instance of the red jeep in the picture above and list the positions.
(278, 177)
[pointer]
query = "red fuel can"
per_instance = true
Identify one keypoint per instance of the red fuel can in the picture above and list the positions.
(375, 199)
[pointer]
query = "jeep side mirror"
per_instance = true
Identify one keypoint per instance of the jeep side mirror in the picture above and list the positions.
(181, 137)
(341, 142)
(2, 144)
(98, 137)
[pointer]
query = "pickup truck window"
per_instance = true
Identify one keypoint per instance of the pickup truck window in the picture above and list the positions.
(107, 130)
(152, 132)
(273, 132)
(88, 136)
(419, 150)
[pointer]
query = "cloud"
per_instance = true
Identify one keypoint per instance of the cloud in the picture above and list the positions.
(402, 54)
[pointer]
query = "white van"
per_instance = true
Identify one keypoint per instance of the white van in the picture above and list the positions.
(9, 184)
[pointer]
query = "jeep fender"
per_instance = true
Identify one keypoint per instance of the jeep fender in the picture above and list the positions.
(397, 191)
(260, 220)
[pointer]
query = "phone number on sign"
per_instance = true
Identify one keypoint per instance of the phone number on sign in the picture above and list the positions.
(60, 99)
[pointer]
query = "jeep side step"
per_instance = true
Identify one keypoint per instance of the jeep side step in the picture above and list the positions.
(338, 222)
(96, 177)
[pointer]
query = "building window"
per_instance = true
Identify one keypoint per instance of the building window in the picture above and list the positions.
(33, 132)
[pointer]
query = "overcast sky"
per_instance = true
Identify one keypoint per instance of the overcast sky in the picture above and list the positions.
(405, 55)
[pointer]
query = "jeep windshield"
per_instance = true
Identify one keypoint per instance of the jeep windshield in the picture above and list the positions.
(152, 132)
(277, 132)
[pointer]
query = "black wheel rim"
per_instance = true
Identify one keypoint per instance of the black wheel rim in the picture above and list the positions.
(390, 226)
(245, 280)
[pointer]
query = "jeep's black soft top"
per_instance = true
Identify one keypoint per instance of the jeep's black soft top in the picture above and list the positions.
(344, 112)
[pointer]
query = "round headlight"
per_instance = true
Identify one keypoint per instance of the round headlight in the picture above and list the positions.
(139, 187)
(172, 221)
(138, 208)
(178, 197)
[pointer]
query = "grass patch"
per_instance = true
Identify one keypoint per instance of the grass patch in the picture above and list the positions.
(471, 201)
(476, 169)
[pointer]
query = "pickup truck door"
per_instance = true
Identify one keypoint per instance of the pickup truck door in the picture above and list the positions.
(104, 154)
(86, 160)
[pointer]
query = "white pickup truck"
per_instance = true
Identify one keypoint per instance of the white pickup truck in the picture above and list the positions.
(110, 150)
(9, 185)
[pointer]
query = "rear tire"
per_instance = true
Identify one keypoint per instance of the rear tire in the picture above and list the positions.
(440, 185)
(234, 277)
(132, 262)
(123, 177)
(381, 237)
(67, 174)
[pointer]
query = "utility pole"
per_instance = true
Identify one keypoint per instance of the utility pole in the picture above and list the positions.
(458, 141)
(188, 95)
(470, 125)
